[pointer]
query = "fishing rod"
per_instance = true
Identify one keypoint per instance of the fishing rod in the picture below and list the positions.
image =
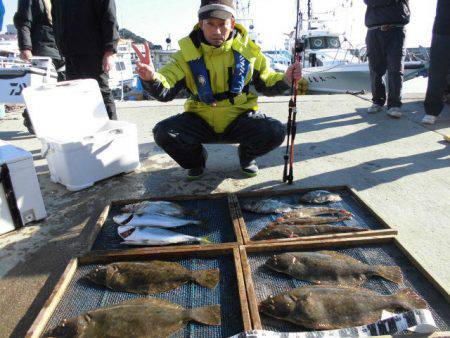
(288, 172)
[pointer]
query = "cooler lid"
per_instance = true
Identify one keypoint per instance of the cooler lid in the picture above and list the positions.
(12, 154)
(67, 110)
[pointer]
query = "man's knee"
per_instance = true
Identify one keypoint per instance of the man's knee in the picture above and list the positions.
(277, 133)
(161, 134)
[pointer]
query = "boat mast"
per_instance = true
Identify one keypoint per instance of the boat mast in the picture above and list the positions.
(310, 14)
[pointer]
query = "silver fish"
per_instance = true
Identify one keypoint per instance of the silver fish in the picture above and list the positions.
(155, 207)
(153, 220)
(155, 236)
(268, 206)
(320, 197)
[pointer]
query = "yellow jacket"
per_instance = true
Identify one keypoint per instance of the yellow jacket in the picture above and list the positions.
(220, 63)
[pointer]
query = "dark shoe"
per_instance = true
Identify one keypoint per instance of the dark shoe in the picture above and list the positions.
(248, 165)
(195, 173)
(250, 169)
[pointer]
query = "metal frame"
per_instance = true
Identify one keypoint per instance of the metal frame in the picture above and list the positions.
(39, 324)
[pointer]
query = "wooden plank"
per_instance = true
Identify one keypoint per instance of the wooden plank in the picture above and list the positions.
(319, 244)
(384, 232)
(251, 295)
(427, 275)
(240, 217)
(242, 291)
(156, 252)
(271, 192)
(171, 198)
(97, 227)
(232, 207)
(37, 328)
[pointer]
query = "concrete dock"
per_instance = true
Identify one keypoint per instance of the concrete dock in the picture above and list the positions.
(399, 167)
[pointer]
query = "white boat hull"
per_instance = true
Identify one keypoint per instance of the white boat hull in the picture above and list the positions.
(348, 78)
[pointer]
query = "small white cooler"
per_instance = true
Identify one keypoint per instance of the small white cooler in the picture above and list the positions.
(81, 144)
(20, 195)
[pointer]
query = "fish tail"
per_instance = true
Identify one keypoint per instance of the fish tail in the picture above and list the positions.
(208, 315)
(204, 240)
(206, 278)
(409, 300)
(391, 273)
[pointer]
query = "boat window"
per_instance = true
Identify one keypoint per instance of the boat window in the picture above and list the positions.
(334, 42)
(324, 42)
(317, 43)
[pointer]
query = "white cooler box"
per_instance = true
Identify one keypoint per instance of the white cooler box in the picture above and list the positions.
(81, 144)
(14, 79)
(20, 195)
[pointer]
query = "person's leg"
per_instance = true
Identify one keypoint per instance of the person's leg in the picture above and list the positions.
(395, 49)
(59, 63)
(377, 66)
(437, 74)
(182, 136)
(108, 99)
(91, 67)
(256, 134)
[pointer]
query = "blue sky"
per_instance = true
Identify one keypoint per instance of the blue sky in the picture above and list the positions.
(156, 19)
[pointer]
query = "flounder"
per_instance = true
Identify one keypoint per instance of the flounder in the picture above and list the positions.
(148, 317)
(331, 307)
(330, 267)
(150, 277)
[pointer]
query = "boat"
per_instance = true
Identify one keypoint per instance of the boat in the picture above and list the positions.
(331, 67)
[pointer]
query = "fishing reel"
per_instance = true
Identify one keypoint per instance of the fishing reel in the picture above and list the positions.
(299, 46)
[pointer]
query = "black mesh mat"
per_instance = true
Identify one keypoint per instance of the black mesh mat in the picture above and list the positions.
(217, 225)
(267, 282)
(363, 218)
(81, 297)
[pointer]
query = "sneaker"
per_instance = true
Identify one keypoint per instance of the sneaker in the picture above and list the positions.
(429, 119)
(250, 169)
(195, 173)
(248, 166)
(395, 112)
(376, 108)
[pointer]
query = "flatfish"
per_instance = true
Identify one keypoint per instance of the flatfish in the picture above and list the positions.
(320, 197)
(150, 277)
(279, 230)
(148, 317)
(330, 267)
(331, 307)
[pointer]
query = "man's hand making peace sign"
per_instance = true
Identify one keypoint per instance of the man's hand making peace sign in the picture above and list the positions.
(144, 67)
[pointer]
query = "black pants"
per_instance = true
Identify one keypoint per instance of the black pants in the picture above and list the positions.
(182, 136)
(385, 51)
(437, 78)
(91, 67)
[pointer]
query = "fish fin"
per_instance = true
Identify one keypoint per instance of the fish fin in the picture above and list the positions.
(409, 300)
(155, 288)
(205, 240)
(208, 315)
(391, 273)
(206, 278)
